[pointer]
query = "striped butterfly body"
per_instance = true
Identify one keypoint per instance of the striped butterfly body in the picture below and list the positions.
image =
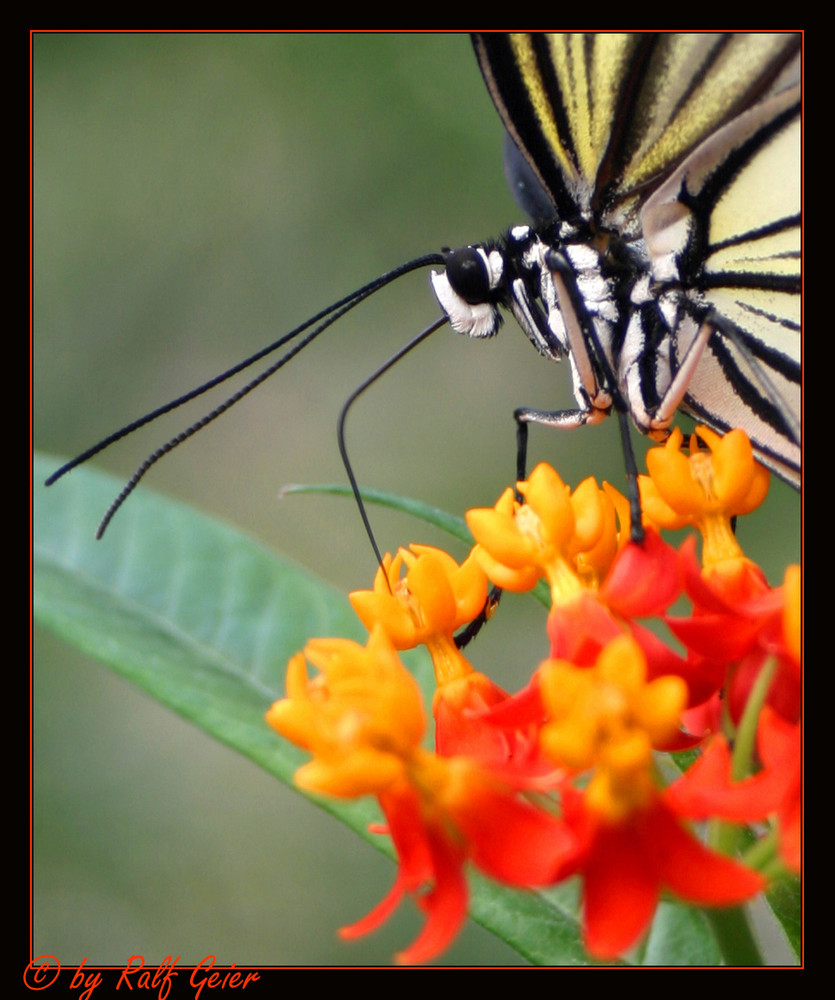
(664, 170)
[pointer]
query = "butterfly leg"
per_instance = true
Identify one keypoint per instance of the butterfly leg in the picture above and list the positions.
(759, 394)
(564, 419)
(657, 422)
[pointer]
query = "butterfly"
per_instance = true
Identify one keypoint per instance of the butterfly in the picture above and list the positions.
(662, 176)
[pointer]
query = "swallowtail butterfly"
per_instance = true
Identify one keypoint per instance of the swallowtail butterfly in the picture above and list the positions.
(662, 175)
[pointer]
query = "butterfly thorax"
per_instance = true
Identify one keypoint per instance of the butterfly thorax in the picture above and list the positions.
(569, 287)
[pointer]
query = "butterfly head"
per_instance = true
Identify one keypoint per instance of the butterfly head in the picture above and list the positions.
(467, 290)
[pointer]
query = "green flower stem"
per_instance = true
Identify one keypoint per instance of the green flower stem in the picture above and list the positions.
(724, 837)
(747, 733)
(733, 934)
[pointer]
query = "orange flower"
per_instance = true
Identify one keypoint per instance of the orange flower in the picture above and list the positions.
(434, 597)
(562, 778)
(706, 490)
(569, 538)
(709, 790)
(363, 721)
(625, 867)
(708, 787)
(632, 845)
(737, 624)
(361, 717)
(476, 718)
(608, 718)
(450, 811)
(426, 606)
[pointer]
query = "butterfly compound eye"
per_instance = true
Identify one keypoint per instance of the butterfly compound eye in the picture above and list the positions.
(466, 270)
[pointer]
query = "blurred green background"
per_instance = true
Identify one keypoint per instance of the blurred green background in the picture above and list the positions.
(195, 196)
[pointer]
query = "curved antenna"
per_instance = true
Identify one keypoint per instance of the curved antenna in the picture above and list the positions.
(327, 316)
(332, 312)
(469, 632)
(340, 433)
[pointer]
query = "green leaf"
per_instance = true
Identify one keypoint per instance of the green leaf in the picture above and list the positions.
(452, 525)
(196, 614)
(785, 900)
(204, 619)
(680, 935)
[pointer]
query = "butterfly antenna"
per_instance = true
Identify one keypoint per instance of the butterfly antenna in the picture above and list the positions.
(327, 316)
(340, 433)
(332, 312)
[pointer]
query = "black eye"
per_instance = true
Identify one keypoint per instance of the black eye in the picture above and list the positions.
(467, 274)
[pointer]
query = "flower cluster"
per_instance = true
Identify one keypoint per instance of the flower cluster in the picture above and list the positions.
(562, 779)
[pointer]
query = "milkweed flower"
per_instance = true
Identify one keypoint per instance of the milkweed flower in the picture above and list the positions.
(422, 597)
(733, 637)
(427, 603)
(738, 620)
(764, 793)
(626, 866)
(445, 812)
(705, 489)
(563, 536)
(362, 719)
(599, 584)
(710, 787)
(606, 720)
(780, 752)
(609, 718)
(572, 539)
(642, 581)
(562, 778)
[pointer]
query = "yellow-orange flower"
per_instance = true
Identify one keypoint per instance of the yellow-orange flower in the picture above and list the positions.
(361, 717)
(705, 489)
(425, 606)
(434, 596)
(569, 538)
(610, 718)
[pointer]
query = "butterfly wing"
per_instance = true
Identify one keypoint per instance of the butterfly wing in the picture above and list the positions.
(724, 235)
(600, 117)
(689, 143)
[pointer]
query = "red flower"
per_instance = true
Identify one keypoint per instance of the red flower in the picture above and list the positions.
(626, 866)
(738, 622)
(425, 857)
(362, 719)
(448, 812)
(708, 788)
(642, 582)
(780, 752)
(644, 579)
